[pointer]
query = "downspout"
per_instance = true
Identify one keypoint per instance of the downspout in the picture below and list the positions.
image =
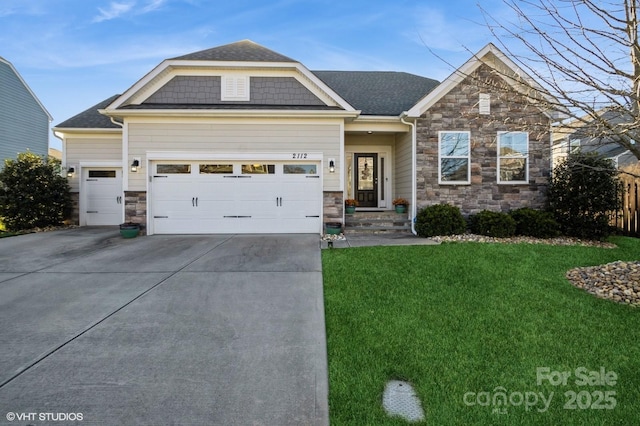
(414, 185)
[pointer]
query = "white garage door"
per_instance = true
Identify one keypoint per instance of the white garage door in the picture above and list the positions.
(103, 196)
(235, 197)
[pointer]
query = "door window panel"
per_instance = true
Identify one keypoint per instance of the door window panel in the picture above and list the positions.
(102, 173)
(300, 169)
(216, 169)
(258, 169)
(174, 169)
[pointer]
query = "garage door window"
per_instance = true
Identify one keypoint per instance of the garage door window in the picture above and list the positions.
(174, 169)
(216, 169)
(258, 169)
(102, 173)
(300, 169)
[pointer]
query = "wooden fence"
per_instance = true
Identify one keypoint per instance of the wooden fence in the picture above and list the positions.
(627, 220)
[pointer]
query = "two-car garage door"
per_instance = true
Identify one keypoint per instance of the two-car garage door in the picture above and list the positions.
(202, 197)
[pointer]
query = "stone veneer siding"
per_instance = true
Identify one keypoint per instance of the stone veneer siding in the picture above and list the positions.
(458, 110)
(135, 208)
(333, 206)
(75, 208)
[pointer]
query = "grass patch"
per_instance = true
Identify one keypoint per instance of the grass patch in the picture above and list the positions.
(473, 317)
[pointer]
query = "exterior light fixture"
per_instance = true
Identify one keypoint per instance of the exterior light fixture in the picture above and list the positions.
(332, 165)
(71, 171)
(135, 165)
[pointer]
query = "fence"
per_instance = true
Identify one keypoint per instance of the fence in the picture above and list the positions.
(627, 220)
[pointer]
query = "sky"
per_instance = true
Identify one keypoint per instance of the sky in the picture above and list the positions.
(76, 53)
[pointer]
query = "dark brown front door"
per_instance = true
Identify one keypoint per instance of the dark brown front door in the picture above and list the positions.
(367, 180)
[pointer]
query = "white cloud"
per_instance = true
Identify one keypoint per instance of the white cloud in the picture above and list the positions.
(115, 10)
(119, 9)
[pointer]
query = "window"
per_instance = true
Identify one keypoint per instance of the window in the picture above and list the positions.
(574, 145)
(102, 173)
(513, 157)
(299, 169)
(174, 169)
(216, 169)
(258, 169)
(455, 157)
(235, 88)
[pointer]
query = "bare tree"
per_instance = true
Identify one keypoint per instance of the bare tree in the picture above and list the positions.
(585, 54)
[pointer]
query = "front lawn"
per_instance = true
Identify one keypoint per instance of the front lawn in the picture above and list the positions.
(466, 322)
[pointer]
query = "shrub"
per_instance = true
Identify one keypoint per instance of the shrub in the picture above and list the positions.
(440, 219)
(584, 190)
(492, 224)
(535, 223)
(32, 193)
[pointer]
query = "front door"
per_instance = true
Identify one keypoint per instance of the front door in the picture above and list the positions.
(367, 180)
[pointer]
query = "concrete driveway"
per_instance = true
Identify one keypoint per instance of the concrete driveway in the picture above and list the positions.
(216, 330)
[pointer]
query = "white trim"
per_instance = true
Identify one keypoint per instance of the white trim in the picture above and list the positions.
(526, 157)
(125, 156)
(249, 111)
(467, 69)
(380, 151)
(209, 156)
(172, 67)
(467, 157)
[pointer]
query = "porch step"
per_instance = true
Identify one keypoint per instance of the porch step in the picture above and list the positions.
(377, 222)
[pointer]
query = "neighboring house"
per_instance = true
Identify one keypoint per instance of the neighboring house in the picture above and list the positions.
(572, 137)
(24, 121)
(55, 153)
(241, 139)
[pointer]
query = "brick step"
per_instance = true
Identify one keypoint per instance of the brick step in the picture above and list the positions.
(377, 230)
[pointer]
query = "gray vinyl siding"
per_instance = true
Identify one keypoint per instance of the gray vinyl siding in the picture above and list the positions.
(207, 90)
(87, 148)
(24, 125)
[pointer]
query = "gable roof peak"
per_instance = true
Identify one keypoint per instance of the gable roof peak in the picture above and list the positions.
(242, 51)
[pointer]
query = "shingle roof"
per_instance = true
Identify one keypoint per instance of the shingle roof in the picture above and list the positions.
(91, 118)
(244, 51)
(372, 92)
(378, 92)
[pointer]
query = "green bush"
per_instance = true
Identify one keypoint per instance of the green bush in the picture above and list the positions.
(32, 193)
(492, 224)
(584, 190)
(535, 223)
(440, 219)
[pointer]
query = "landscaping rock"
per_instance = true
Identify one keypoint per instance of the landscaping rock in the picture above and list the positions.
(558, 241)
(618, 281)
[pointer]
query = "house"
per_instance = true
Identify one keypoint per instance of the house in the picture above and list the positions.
(242, 139)
(24, 121)
(579, 135)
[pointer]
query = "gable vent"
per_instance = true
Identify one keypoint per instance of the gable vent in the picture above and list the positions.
(485, 104)
(235, 88)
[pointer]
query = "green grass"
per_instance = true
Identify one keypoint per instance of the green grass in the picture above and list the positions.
(472, 317)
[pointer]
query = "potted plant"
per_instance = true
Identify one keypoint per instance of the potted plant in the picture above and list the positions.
(400, 204)
(350, 205)
(129, 229)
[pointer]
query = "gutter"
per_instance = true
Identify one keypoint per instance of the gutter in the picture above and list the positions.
(414, 185)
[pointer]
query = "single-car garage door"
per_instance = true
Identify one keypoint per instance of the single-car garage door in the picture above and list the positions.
(103, 196)
(226, 197)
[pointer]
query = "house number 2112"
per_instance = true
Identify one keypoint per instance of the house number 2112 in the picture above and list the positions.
(299, 155)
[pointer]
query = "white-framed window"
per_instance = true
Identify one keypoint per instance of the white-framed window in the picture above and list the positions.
(454, 157)
(513, 157)
(235, 88)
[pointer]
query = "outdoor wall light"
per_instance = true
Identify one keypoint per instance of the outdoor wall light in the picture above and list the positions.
(135, 165)
(332, 165)
(70, 172)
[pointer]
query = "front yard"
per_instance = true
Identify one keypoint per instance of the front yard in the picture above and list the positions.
(486, 333)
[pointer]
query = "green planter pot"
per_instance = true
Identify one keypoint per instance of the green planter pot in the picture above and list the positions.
(129, 230)
(332, 228)
(401, 209)
(350, 209)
